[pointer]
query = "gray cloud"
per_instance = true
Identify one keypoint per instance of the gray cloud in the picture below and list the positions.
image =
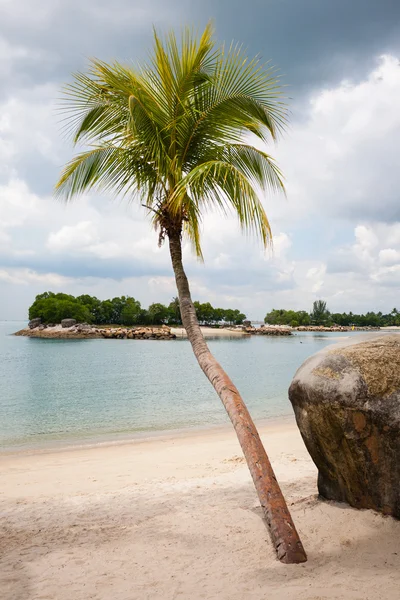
(80, 267)
(311, 41)
(344, 261)
(48, 42)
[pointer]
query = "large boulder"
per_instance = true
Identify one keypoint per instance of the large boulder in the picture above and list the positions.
(68, 323)
(33, 323)
(346, 400)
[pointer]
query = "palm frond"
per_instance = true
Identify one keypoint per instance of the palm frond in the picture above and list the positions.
(173, 132)
(225, 186)
(107, 169)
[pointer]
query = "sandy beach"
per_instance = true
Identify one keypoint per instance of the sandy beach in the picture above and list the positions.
(168, 518)
(210, 332)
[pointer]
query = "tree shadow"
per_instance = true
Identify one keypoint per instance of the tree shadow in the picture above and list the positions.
(15, 582)
(341, 540)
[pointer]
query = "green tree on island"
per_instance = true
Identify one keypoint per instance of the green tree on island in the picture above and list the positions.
(52, 308)
(174, 311)
(125, 310)
(176, 134)
(287, 317)
(131, 312)
(158, 313)
(320, 314)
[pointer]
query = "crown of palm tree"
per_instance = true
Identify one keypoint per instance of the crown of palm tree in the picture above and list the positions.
(173, 133)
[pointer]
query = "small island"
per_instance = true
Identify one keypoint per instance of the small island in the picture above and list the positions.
(63, 316)
(70, 329)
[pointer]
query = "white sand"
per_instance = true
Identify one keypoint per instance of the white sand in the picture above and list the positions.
(209, 332)
(178, 519)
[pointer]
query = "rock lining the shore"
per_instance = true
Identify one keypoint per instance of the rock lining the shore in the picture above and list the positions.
(33, 323)
(84, 330)
(321, 328)
(70, 329)
(144, 333)
(274, 330)
(67, 323)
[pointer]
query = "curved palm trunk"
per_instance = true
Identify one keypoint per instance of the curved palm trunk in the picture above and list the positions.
(283, 532)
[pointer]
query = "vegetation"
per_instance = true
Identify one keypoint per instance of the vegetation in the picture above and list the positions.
(287, 317)
(320, 315)
(176, 134)
(370, 319)
(52, 308)
(208, 315)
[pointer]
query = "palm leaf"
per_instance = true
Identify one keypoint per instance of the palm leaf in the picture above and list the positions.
(172, 133)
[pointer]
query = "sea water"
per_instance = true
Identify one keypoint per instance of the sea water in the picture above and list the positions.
(81, 391)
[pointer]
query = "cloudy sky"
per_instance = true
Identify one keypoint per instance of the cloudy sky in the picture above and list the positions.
(336, 236)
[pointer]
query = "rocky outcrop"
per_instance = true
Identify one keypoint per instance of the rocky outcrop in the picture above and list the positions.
(68, 323)
(346, 401)
(144, 333)
(33, 323)
(84, 331)
(269, 330)
(84, 327)
(321, 328)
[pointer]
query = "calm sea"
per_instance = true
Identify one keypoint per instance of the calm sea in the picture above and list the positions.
(77, 391)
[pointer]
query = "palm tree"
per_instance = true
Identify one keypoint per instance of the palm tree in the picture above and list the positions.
(175, 310)
(320, 314)
(177, 134)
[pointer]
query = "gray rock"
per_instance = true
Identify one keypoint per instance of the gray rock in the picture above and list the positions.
(84, 327)
(68, 322)
(346, 401)
(33, 323)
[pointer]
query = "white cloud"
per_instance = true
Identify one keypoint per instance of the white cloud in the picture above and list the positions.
(114, 237)
(28, 277)
(389, 256)
(30, 128)
(366, 238)
(316, 277)
(17, 204)
(376, 266)
(342, 160)
(72, 237)
(282, 243)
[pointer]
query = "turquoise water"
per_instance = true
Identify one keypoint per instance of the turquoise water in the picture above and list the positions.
(88, 390)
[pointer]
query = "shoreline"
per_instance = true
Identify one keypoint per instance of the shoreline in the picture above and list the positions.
(153, 332)
(169, 518)
(210, 332)
(163, 332)
(184, 437)
(137, 437)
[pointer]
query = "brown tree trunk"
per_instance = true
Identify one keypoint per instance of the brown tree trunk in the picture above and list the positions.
(284, 536)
